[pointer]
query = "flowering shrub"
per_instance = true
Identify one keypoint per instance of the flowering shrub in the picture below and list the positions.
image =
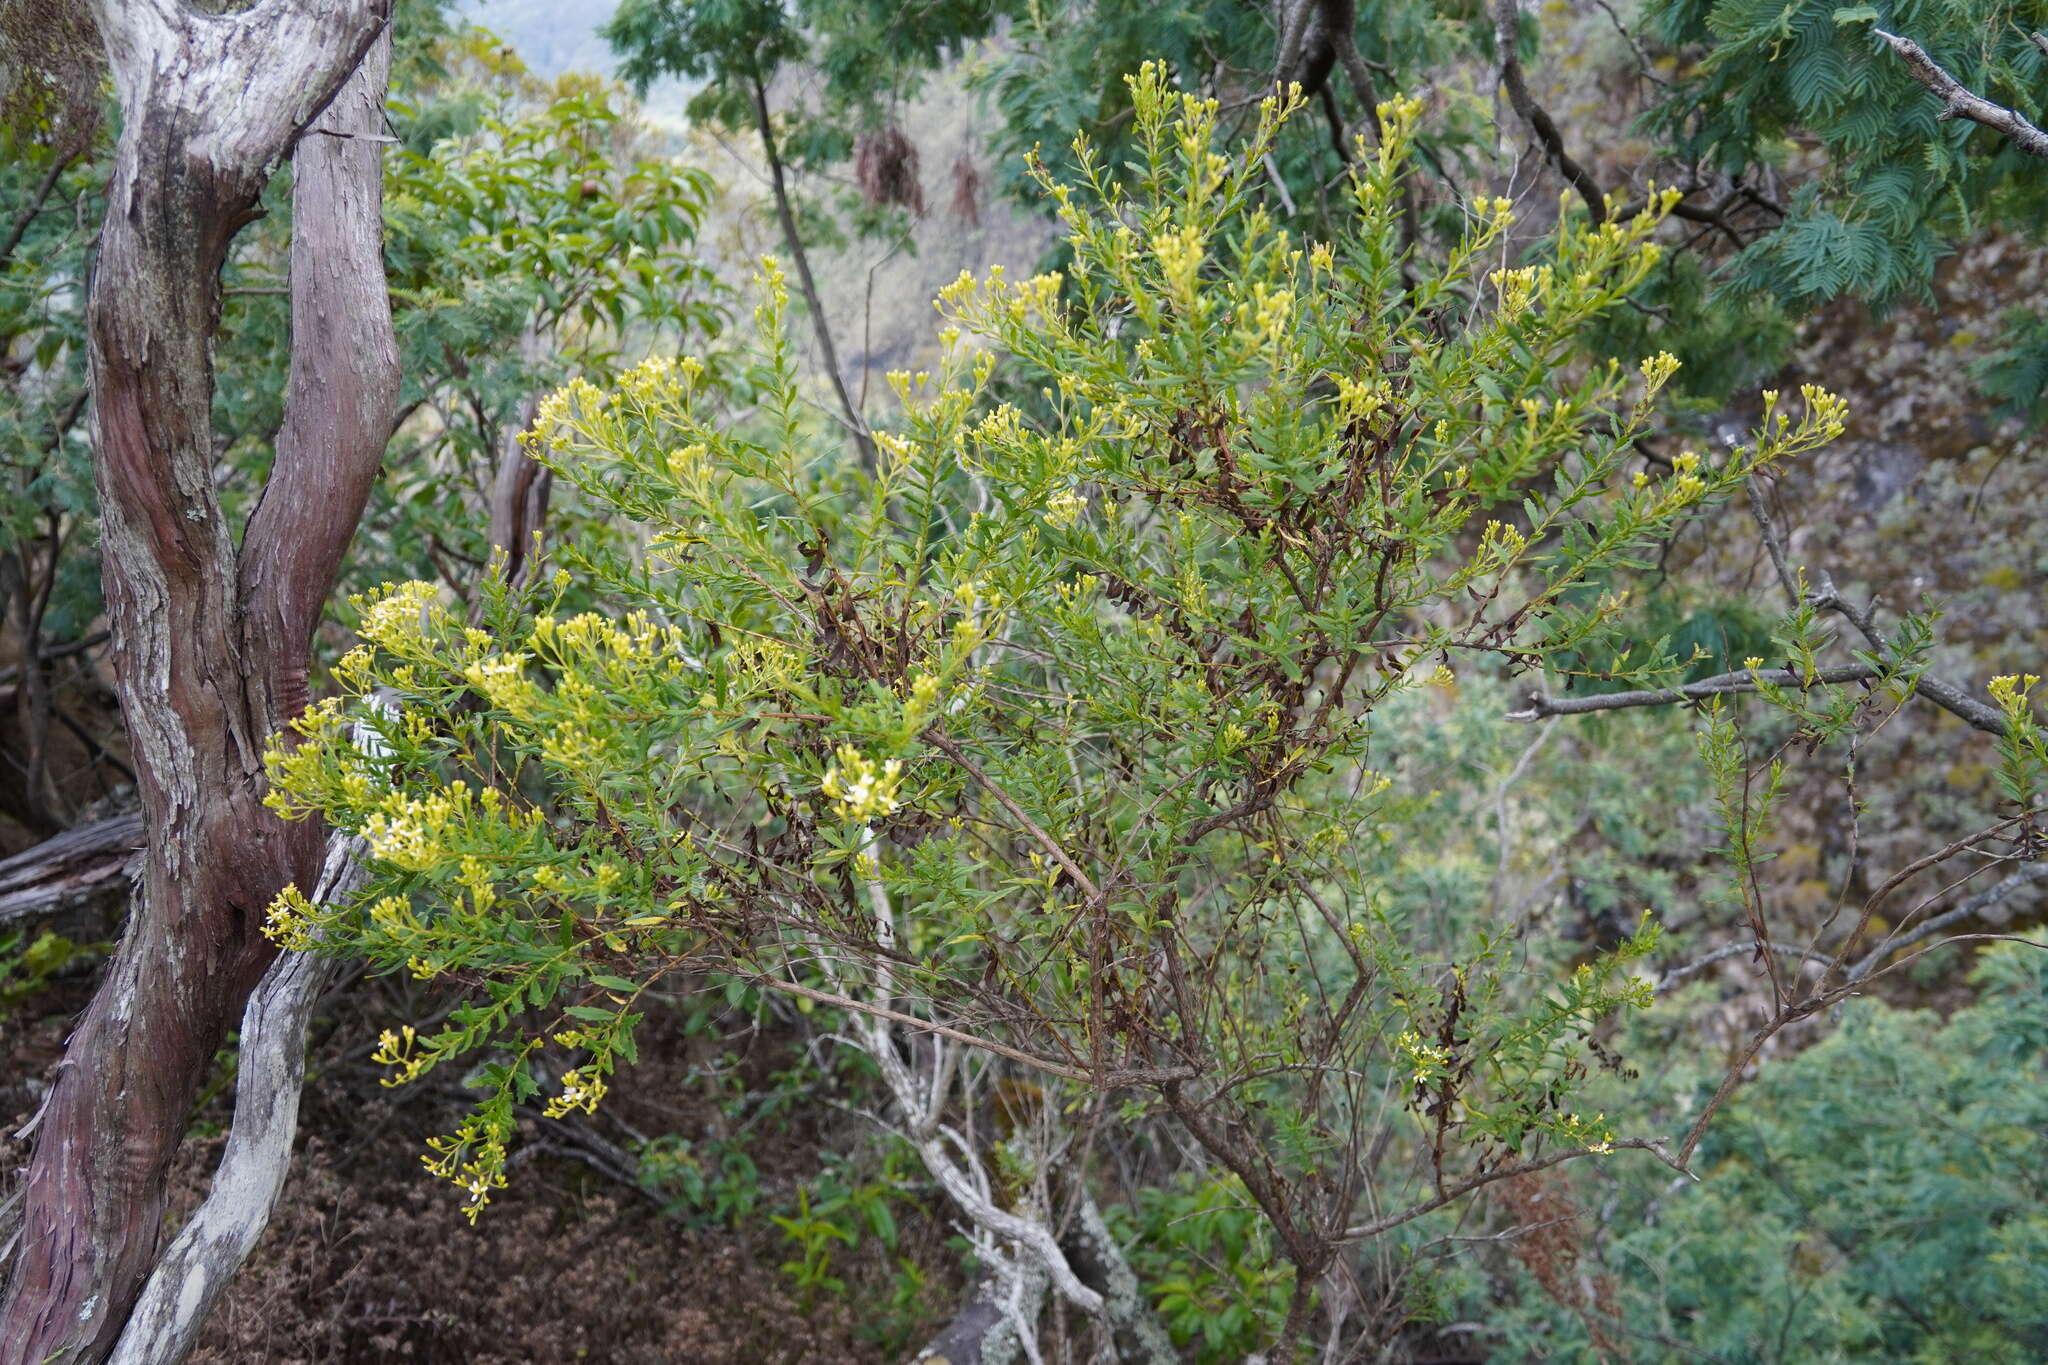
(1053, 736)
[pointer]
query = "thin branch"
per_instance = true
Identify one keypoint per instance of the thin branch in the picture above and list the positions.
(1506, 22)
(1653, 1146)
(1943, 694)
(1723, 953)
(793, 240)
(1537, 705)
(58, 165)
(1108, 1080)
(1017, 813)
(1946, 695)
(1643, 62)
(1772, 541)
(1958, 101)
(1974, 905)
(63, 651)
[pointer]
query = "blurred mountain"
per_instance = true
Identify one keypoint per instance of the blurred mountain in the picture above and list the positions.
(551, 36)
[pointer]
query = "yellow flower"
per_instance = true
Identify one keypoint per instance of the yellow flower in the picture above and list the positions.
(291, 921)
(1064, 508)
(399, 615)
(860, 788)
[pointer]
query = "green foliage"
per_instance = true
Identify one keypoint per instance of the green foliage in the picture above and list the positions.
(1726, 339)
(28, 964)
(1064, 68)
(869, 55)
(530, 235)
(712, 1182)
(1877, 1196)
(1899, 181)
(2017, 376)
(1206, 1256)
(814, 1238)
(1896, 182)
(53, 192)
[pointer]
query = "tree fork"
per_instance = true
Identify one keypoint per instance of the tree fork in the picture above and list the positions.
(210, 644)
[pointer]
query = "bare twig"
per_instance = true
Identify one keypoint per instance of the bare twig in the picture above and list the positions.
(1958, 101)
(1723, 953)
(793, 240)
(1654, 1146)
(1108, 1080)
(1943, 694)
(1643, 62)
(1946, 695)
(1017, 812)
(1506, 21)
(59, 163)
(1537, 705)
(1772, 541)
(1974, 905)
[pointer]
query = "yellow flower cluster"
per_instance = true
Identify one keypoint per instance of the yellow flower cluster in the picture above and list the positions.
(1179, 252)
(1270, 310)
(556, 412)
(398, 616)
(1357, 399)
(2011, 690)
(1592, 1134)
(412, 831)
(1521, 287)
(860, 788)
(400, 1051)
(580, 1090)
(1064, 508)
(658, 379)
(1657, 369)
(502, 680)
(291, 922)
(1501, 541)
(482, 1173)
(1426, 1061)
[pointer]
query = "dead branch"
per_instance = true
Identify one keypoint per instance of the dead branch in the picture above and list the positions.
(1958, 101)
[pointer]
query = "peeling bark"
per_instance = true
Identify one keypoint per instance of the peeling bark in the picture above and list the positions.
(271, 1071)
(209, 643)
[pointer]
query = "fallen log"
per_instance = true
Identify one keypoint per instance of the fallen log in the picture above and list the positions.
(76, 882)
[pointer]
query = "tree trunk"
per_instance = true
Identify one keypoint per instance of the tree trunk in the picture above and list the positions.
(210, 645)
(271, 1071)
(986, 1330)
(1136, 1332)
(793, 240)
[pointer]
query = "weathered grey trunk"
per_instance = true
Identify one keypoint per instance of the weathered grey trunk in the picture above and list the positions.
(210, 642)
(271, 1071)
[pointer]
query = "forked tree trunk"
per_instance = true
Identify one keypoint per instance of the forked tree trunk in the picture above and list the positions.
(210, 643)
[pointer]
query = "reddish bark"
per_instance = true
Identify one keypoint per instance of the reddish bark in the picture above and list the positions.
(209, 644)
